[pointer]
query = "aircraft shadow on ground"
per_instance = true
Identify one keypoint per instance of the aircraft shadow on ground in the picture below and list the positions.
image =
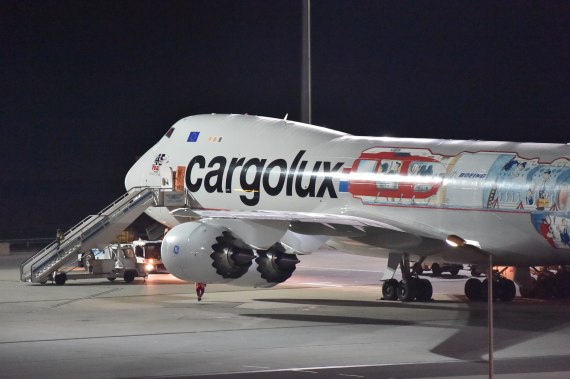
(514, 322)
(433, 305)
(331, 319)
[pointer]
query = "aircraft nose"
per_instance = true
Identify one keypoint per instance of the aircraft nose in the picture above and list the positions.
(134, 177)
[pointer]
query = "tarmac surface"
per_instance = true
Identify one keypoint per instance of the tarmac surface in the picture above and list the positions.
(325, 322)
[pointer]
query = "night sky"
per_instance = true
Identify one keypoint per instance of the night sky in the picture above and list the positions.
(87, 86)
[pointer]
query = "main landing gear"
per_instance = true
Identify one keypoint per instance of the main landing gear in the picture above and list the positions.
(503, 289)
(548, 283)
(544, 283)
(410, 287)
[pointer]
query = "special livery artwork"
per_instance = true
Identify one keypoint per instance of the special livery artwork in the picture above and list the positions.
(491, 180)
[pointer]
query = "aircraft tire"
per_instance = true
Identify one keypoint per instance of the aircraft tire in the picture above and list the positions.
(425, 290)
(507, 290)
(407, 290)
(475, 272)
(473, 289)
(545, 288)
(111, 279)
(529, 292)
(435, 270)
(485, 291)
(418, 269)
(389, 289)
(563, 284)
(60, 278)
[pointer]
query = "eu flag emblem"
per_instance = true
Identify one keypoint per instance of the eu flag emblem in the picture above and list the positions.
(193, 137)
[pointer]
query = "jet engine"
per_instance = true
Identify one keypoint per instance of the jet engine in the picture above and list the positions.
(210, 253)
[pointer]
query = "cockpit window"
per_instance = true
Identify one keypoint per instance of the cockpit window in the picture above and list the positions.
(169, 132)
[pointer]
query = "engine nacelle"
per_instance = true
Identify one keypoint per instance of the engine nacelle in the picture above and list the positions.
(202, 252)
(209, 253)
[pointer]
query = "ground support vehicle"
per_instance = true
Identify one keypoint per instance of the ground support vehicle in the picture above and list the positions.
(438, 268)
(148, 254)
(114, 261)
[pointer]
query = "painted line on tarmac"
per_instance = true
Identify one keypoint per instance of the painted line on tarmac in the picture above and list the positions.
(85, 298)
(319, 369)
(322, 284)
(260, 367)
(337, 269)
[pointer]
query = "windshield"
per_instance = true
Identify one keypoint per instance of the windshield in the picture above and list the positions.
(128, 252)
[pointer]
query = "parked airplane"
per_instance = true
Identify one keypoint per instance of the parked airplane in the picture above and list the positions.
(262, 192)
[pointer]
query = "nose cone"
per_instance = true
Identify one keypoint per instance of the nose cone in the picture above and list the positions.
(135, 176)
(145, 172)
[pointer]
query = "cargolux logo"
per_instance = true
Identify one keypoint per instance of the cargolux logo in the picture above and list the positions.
(260, 172)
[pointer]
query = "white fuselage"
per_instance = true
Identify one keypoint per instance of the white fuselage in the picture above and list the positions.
(511, 198)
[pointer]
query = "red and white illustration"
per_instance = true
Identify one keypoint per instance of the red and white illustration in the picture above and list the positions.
(381, 175)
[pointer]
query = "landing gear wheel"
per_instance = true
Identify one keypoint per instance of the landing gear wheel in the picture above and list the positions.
(485, 290)
(406, 290)
(389, 289)
(129, 276)
(473, 289)
(418, 269)
(425, 290)
(435, 269)
(60, 278)
(507, 290)
(475, 272)
(562, 278)
(111, 279)
(545, 288)
(528, 292)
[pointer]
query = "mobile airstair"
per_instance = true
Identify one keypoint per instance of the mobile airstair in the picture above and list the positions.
(93, 231)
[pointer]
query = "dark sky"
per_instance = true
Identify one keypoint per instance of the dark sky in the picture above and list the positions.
(87, 86)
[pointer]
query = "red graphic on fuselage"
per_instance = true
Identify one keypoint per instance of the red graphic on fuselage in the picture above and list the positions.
(395, 175)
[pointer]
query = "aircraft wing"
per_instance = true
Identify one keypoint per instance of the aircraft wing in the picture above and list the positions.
(304, 217)
(364, 230)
